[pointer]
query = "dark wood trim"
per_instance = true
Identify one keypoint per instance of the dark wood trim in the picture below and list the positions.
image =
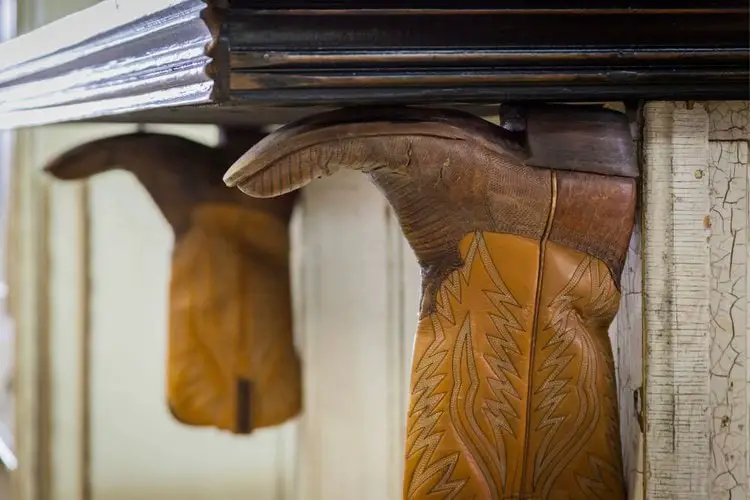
(505, 5)
(217, 61)
(344, 57)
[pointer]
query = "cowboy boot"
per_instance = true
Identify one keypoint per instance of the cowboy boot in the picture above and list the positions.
(521, 233)
(231, 359)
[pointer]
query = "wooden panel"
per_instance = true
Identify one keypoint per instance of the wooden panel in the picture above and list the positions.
(67, 328)
(68, 303)
(676, 263)
(356, 312)
(696, 300)
(47, 380)
(28, 307)
(5, 485)
(25, 264)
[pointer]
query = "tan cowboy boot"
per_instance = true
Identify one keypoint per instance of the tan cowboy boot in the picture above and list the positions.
(231, 360)
(521, 233)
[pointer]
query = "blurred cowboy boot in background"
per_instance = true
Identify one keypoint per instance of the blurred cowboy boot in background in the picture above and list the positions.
(231, 359)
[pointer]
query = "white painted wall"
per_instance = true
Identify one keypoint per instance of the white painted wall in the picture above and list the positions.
(138, 449)
(66, 307)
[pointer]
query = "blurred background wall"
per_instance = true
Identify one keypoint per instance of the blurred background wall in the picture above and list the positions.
(354, 332)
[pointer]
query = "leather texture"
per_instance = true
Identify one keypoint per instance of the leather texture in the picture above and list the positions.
(513, 381)
(231, 360)
(513, 389)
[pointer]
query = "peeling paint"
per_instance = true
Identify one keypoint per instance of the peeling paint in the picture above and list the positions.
(730, 120)
(696, 301)
(728, 398)
(676, 295)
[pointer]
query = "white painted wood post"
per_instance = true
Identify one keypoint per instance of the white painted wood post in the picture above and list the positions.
(695, 292)
(357, 286)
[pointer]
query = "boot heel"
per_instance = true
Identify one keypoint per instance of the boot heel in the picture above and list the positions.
(574, 137)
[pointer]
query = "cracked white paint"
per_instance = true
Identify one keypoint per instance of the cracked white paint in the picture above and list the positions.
(695, 293)
(729, 120)
(626, 334)
(728, 403)
(676, 294)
